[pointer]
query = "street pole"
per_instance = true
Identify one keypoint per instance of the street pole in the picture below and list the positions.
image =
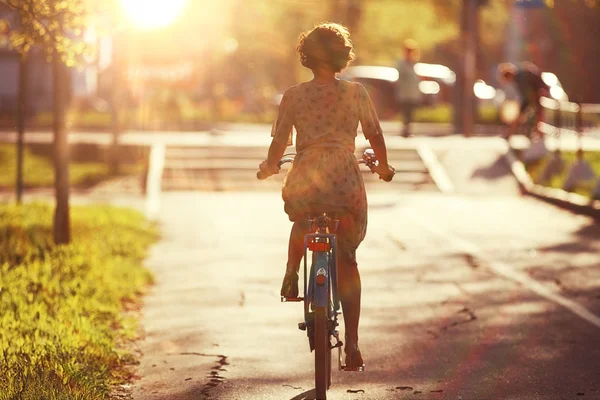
(469, 42)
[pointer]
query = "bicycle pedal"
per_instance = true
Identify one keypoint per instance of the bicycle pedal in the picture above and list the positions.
(291, 299)
(338, 344)
(358, 369)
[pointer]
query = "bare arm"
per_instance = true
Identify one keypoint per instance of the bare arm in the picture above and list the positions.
(281, 132)
(385, 171)
(276, 151)
(378, 145)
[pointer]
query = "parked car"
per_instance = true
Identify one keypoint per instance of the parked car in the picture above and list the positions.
(436, 83)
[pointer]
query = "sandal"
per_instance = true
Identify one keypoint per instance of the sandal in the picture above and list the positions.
(354, 360)
(289, 287)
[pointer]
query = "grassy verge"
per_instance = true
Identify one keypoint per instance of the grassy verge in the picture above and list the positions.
(194, 118)
(557, 181)
(38, 171)
(62, 319)
(444, 113)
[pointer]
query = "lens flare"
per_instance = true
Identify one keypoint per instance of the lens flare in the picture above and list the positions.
(153, 14)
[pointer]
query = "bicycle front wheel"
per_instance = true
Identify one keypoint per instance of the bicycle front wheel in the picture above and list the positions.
(322, 354)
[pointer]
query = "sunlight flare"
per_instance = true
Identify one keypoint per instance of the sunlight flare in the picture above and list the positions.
(153, 14)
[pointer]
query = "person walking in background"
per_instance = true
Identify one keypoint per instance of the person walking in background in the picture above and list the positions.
(530, 87)
(407, 88)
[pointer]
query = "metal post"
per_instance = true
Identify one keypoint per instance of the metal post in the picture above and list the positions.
(470, 65)
(557, 124)
(579, 126)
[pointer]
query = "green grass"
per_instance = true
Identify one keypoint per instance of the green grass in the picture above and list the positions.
(83, 120)
(557, 181)
(39, 171)
(444, 113)
(157, 117)
(62, 321)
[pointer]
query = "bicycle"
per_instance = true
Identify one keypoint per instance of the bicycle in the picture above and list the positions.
(321, 300)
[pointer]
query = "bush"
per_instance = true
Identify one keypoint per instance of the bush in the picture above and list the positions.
(558, 181)
(63, 318)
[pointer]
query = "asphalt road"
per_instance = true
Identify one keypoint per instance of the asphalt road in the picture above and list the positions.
(475, 294)
(465, 296)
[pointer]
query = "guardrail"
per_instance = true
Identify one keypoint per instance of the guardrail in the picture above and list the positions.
(572, 119)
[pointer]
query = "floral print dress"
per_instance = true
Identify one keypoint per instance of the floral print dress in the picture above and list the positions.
(325, 175)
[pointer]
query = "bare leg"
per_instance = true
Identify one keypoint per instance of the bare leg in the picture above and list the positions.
(296, 247)
(289, 287)
(349, 286)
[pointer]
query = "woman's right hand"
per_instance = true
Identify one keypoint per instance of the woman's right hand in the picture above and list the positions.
(385, 172)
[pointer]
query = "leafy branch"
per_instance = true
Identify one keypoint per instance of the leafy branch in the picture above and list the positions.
(54, 25)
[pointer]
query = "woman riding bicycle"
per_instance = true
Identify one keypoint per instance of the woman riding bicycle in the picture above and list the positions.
(325, 176)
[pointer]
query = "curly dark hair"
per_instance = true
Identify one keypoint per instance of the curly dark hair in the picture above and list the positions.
(327, 43)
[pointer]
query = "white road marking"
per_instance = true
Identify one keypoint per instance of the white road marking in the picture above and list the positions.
(437, 172)
(154, 180)
(506, 271)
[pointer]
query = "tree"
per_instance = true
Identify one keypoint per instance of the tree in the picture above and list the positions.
(55, 26)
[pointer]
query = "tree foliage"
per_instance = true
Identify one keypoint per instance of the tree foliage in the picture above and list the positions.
(53, 25)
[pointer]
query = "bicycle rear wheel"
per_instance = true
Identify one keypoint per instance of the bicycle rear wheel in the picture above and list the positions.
(322, 354)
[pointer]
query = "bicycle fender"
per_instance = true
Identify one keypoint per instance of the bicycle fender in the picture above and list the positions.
(321, 293)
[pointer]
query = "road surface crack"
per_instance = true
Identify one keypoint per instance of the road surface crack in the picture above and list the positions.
(468, 316)
(215, 377)
(293, 387)
(397, 242)
(472, 261)
(465, 311)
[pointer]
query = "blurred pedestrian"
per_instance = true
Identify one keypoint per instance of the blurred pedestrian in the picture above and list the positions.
(407, 87)
(528, 81)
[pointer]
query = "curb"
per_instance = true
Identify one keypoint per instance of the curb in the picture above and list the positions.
(570, 201)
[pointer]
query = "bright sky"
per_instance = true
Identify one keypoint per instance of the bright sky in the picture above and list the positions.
(152, 14)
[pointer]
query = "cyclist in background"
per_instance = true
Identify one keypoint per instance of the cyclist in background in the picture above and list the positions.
(325, 176)
(530, 86)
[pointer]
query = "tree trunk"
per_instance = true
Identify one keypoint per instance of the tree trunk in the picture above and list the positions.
(21, 106)
(62, 225)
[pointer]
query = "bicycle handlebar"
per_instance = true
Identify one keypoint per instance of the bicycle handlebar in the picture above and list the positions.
(368, 159)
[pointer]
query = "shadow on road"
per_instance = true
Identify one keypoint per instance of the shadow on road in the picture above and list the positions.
(584, 240)
(498, 169)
